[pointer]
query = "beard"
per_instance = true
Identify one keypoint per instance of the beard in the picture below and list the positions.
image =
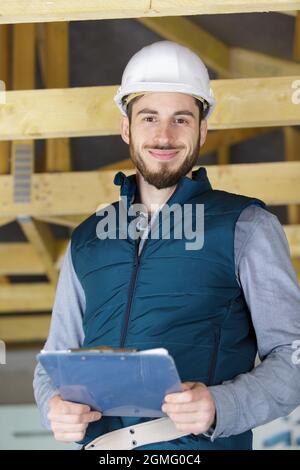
(164, 177)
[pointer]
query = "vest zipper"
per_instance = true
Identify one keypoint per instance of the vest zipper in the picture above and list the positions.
(214, 356)
(130, 294)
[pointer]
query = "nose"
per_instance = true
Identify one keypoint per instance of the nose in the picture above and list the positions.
(163, 135)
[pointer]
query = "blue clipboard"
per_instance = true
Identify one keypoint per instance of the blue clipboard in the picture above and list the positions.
(115, 383)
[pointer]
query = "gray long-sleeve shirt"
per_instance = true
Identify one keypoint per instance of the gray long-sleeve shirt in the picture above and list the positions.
(266, 275)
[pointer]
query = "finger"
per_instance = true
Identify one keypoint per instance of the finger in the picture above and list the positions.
(67, 427)
(69, 437)
(181, 397)
(181, 407)
(75, 419)
(70, 408)
(194, 393)
(185, 418)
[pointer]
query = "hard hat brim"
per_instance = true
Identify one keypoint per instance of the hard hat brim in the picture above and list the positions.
(149, 87)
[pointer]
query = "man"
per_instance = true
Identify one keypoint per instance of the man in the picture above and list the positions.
(213, 308)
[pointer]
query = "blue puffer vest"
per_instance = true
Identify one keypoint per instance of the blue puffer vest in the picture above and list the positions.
(187, 301)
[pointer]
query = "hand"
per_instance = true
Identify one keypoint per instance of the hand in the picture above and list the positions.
(192, 410)
(69, 420)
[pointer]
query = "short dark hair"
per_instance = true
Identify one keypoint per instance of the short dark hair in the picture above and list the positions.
(134, 100)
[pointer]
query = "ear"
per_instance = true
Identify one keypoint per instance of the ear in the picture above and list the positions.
(125, 129)
(203, 131)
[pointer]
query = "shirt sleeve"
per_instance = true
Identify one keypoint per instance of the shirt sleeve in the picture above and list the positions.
(65, 332)
(269, 282)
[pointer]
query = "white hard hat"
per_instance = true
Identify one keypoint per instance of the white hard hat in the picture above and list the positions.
(166, 66)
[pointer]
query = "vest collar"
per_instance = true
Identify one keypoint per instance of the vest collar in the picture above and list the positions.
(186, 189)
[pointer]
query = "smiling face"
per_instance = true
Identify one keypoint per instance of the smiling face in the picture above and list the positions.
(164, 136)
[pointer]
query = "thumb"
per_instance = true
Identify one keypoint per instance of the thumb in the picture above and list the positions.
(187, 385)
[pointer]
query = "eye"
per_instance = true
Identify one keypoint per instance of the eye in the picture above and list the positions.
(149, 119)
(181, 121)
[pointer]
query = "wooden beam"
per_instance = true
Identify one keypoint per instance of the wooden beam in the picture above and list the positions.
(23, 75)
(296, 264)
(261, 102)
(4, 157)
(292, 149)
(227, 62)
(6, 220)
(70, 221)
(217, 139)
(32, 297)
(197, 7)
(23, 11)
(270, 182)
(21, 258)
(5, 77)
(27, 297)
(56, 63)
(223, 155)
(293, 235)
(39, 234)
(57, 55)
(24, 328)
(184, 31)
(252, 64)
(277, 183)
(251, 103)
(290, 13)
(296, 51)
(23, 78)
(4, 55)
(58, 154)
(82, 112)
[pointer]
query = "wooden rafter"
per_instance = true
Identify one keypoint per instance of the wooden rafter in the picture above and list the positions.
(70, 221)
(39, 235)
(292, 149)
(276, 183)
(296, 51)
(289, 13)
(226, 61)
(21, 258)
(90, 111)
(23, 78)
(40, 296)
(6, 220)
(22, 11)
(24, 328)
(26, 297)
(5, 77)
(247, 63)
(56, 73)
